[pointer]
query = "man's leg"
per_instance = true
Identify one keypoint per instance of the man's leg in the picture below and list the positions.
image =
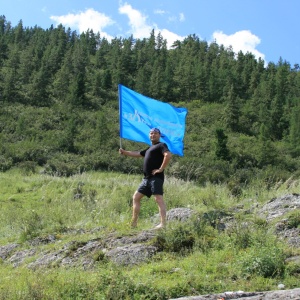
(162, 210)
(136, 204)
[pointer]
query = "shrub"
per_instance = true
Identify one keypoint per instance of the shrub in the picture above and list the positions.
(27, 167)
(239, 180)
(186, 170)
(266, 261)
(176, 239)
(116, 286)
(293, 220)
(217, 171)
(64, 165)
(205, 230)
(180, 237)
(293, 269)
(5, 163)
(241, 235)
(272, 176)
(32, 225)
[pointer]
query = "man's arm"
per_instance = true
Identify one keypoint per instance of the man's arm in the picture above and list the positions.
(166, 160)
(129, 153)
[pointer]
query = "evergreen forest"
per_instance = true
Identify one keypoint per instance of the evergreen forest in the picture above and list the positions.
(59, 105)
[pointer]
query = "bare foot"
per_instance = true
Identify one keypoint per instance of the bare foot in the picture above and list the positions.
(133, 224)
(160, 226)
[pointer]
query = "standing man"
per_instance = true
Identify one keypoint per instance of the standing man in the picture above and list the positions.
(156, 159)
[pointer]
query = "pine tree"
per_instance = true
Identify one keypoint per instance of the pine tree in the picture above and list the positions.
(222, 151)
(232, 111)
(10, 76)
(294, 135)
(267, 153)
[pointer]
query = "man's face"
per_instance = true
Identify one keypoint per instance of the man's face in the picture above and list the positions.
(154, 136)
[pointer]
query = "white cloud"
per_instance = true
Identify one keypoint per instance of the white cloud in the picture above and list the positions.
(139, 26)
(243, 41)
(159, 12)
(172, 19)
(171, 37)
(181, 17)
(90, 19)
(140, 29)
(137, 21)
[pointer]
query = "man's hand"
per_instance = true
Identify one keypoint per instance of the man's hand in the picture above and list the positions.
(155, 171)
(167, 157)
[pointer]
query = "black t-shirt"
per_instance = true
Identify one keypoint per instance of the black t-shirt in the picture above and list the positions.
(153, 158)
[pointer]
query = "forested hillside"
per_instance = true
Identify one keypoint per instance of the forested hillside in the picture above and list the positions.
(59, 104)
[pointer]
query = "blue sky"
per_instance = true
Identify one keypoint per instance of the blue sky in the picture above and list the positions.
(267, 28)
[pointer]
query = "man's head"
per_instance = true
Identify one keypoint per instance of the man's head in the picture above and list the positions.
(155, 130)
(154, 135)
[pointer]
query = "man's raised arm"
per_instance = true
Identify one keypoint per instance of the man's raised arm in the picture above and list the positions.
(130, 153)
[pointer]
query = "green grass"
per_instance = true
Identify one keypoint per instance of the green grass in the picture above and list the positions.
(196, 258)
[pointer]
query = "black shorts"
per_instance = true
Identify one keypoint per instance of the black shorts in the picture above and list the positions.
(151, 186)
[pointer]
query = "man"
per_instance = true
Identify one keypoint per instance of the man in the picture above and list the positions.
(156, 159)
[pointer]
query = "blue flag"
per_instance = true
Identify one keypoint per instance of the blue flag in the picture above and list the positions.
(138, 114)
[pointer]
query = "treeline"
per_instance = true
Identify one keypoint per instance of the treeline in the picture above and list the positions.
(59, 103)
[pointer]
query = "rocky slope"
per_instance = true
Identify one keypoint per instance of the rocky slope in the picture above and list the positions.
(134, 249)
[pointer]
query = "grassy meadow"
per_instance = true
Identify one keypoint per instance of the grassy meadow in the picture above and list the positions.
(34, 205)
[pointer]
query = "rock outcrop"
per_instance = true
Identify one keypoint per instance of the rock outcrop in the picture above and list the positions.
(135, 249)
(273, 295)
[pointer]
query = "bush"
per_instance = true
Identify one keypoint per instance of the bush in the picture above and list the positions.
(273, 176)
(266, 261)
(64, 165)
(241, 235)
(293, 269)
(176, 239)
(5, 163)
(180, 237)
(239, 180)
(32, 226)
(293, 220)
(217, 171)
(186, 170)
(28, 167)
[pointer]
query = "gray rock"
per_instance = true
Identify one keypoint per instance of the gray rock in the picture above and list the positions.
(180, 214)
(6, 250)
(47, 259)
(141, 237)
(43, 240)
(125, 250)
(273, 295)
(131, 254)
(18, 257)
(278, 207)
(292, 236)
(177, 214)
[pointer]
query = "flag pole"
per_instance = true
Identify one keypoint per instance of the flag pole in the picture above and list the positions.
(120, 111)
